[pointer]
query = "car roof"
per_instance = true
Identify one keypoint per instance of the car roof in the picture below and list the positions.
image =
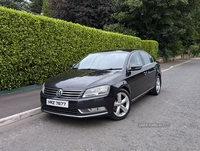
(118, 50)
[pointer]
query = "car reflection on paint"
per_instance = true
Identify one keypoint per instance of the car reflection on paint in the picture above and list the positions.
(102, 84)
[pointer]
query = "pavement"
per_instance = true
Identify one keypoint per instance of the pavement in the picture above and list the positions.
(24, 102)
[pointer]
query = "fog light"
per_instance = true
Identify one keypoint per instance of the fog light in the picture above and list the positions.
(92, 110)
(97, 109)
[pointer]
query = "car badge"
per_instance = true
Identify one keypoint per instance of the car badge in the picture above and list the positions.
(59, 93)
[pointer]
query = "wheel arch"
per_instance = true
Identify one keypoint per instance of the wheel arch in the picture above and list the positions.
(159, 74)
(123, 85)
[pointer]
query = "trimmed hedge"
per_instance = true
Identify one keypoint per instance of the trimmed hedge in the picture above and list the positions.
(34, 48)
(150, 46)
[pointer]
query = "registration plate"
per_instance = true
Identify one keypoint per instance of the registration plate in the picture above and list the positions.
(57, 103)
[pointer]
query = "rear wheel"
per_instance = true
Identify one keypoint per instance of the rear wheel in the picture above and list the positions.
(157, 88)
(122, 105)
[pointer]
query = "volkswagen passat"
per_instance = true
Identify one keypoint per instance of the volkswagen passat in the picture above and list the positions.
(102, 84)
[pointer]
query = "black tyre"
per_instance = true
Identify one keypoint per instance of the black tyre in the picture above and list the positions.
(122, 105)
(157, 87)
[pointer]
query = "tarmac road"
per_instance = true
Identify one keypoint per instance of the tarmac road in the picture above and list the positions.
(18, 102)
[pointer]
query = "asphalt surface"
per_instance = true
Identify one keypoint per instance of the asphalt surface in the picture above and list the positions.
(15, 105)
(18, 102)
(167, 122)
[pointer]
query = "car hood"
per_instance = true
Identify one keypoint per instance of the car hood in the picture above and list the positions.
(82, 79)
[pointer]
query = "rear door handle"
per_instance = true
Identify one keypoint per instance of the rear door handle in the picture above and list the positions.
(145, 72)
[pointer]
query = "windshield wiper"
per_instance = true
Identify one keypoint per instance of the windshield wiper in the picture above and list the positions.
(112, 69)
(99, 69)
(87, 69)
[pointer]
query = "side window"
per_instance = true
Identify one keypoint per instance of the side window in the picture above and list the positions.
(146, 57)
(135, 60)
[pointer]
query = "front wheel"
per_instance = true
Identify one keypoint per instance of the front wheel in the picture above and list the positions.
(157, 87)
(122, 105)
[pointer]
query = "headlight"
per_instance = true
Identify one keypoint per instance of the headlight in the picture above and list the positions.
(97, 91)
(43, 87)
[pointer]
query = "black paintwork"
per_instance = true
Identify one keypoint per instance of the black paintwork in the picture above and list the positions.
(83, 79)
(135, 80)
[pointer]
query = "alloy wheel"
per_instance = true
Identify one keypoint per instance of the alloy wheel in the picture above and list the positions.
(158, 86)
(121, 105)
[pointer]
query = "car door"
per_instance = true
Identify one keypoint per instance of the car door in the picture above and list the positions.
(149, 68)
(135, 78)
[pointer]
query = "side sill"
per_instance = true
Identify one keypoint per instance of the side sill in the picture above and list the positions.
(139, 96)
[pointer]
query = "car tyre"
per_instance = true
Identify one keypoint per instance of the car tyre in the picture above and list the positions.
(122, 105)
(157, 87)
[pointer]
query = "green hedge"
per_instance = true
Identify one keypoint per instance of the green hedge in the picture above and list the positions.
(150, 46)
(34, 48)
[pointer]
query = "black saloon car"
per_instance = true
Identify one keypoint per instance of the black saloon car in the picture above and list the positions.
(102, 84)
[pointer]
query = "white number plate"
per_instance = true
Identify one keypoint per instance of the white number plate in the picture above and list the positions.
(57, 103)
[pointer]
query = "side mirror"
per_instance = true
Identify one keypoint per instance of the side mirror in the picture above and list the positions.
(72, 66)
(135, 67)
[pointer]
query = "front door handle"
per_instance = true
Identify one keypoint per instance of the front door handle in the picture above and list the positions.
(145, 72)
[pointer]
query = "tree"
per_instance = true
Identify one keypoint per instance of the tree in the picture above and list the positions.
(93, 13)
(45, 7)
(15, 4)
(195, 50)
(171, 23)
(36, 6)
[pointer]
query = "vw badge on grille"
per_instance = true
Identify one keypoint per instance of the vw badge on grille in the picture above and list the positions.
(59, 93)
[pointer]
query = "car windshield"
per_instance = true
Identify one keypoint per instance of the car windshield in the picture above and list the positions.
(102, 61)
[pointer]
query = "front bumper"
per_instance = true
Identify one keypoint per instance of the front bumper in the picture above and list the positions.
(80, 108)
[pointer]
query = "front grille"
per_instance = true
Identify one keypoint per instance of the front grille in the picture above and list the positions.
(50, 91)
(66, 94)
(72, 94)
